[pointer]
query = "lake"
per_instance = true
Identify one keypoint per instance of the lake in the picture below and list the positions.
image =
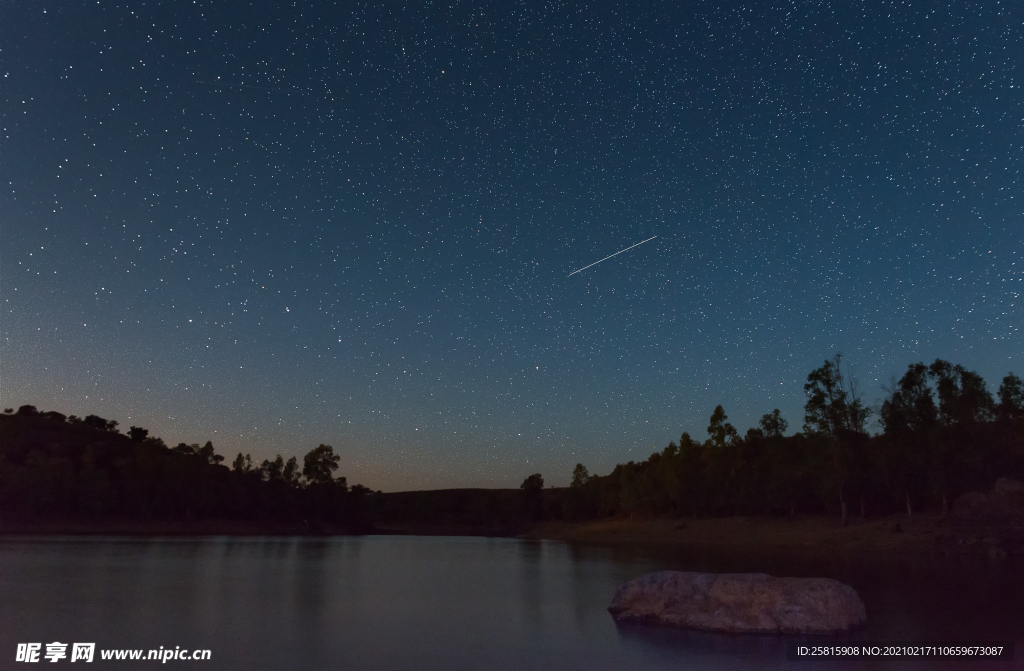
(426, 603)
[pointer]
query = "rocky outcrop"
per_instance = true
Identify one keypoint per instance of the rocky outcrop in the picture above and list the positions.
(1004, 503)
(990, 522)
(739, 603)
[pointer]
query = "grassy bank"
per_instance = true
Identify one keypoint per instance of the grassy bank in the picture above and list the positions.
(922, 534)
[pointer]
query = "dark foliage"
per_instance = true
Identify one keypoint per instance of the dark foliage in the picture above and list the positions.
(52, 466)
(943, 435)
(487, 512)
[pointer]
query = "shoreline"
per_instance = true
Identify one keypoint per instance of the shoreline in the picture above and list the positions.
(810, 532)
(194, 528)
(924, 534)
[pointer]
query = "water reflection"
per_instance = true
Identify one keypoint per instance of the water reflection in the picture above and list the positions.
(447, 603)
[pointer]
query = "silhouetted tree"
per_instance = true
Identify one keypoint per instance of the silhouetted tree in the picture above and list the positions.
(773, 425)
(533, 483)
(207, 454)
(964, 404)
(137, 435)
(319, 464)
(99, 423)
(963, 397)
(241, 464)
(834, 406)
(532, 487)
(909, 418)
(359, 490)
(910, 405)
(290, 474)
(273, 470)
(57, 466)
(1011, 398)
(721, 432)
(834, 412)
(943, 435)
(579, 476)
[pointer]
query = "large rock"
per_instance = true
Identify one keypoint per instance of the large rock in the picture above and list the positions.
(739, 602)
(1003, 504)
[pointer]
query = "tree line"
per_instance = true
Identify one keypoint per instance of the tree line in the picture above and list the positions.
(943, 434)
(53, 466)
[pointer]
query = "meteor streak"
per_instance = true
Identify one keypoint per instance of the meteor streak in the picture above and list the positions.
(608, 257)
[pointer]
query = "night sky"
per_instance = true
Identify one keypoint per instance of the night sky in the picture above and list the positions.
(276, 226)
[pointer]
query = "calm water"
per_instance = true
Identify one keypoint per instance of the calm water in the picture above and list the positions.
(426, 603)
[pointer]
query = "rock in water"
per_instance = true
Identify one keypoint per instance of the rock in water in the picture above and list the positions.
(742, 603)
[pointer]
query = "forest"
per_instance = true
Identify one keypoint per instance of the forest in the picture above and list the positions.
(57, 467)
(943, 434)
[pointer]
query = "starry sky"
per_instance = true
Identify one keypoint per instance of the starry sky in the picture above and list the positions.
(274, 225)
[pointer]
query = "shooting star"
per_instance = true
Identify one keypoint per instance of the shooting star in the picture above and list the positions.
(289, 89)
(608, 257)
